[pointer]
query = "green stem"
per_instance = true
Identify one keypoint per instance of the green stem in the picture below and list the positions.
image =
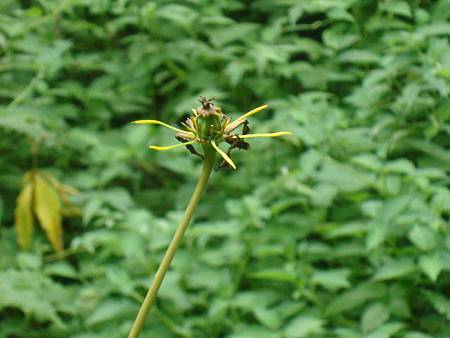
(170, 253)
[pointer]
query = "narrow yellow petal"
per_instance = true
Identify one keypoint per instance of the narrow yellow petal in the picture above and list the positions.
(160, 123)
(252, 112)
(233, 125)
(171, 147)
(236, 123)
(223, 154)
(280, 133)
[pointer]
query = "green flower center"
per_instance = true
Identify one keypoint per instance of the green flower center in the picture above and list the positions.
(208, 126)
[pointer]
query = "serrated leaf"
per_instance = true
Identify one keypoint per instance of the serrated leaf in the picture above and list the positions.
(35, 295)
(24, 216)
(47, 207)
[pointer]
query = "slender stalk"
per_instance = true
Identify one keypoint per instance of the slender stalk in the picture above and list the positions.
(170, 253)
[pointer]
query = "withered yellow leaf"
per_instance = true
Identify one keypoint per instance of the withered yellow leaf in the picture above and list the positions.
(47, 207)
(24, 216)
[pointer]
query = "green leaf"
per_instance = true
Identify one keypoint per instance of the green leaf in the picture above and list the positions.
(358, 57)
(35, 295)
(353, 298)
(332, 279)
(268, 317)
(417, 335)
(178, 14)
(394, 269)
(338, 38)
(376, 235)
(61, 269)
(344, 177)
(236, 31)
(431, 265)
(251, 331)
(304, 326)
(273, 274)
(111, 309)
(439, 28)
(429, 148)
(386, 331)
(423, 237)
(29, 261)
(439, 302)
(397, 7)
(373, 317)
(252, 300)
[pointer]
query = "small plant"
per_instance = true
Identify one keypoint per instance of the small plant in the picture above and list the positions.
(207, 127)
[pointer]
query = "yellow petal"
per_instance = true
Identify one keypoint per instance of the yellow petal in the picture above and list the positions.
(224, 155)
(160, 123)
(236, 123)
(233, 125)
(252, 112)
(280, 133)
(171, 147)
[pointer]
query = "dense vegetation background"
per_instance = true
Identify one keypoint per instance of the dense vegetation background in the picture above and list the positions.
(340, 230)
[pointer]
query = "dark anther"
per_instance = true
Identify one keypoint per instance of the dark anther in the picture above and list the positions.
(245, 128)
(189, 147)
(236, 142)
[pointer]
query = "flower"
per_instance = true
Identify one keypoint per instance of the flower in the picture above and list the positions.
(209, 126)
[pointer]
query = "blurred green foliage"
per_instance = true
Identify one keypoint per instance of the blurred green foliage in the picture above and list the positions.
(341, 230)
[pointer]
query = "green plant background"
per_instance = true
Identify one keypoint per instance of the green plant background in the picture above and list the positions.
(340, 230)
